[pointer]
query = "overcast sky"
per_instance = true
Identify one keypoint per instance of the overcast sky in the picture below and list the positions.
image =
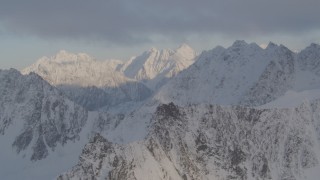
(119, 29)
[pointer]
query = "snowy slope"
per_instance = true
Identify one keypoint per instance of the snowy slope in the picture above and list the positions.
(79, 74)
(212, 142)
(155, 67)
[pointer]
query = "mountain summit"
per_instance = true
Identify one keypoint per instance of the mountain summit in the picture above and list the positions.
(186, 51)
(155, 67)
(66, 57)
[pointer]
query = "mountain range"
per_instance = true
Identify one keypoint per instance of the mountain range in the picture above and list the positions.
(244, 74)
(241, 112)
(112, 82)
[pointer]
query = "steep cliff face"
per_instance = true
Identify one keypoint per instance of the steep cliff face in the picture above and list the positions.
(212, 142)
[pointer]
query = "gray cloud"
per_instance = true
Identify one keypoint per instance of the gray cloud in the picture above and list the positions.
(137, 21)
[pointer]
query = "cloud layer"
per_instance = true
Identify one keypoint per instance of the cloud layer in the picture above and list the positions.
(138, 21)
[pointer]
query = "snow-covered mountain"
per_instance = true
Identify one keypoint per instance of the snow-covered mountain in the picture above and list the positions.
(277, 78)
(290, 73)
(212, 142)
(198, 136)
(156, 67)
(77, 69)
(79, 74)
(308, 61)
(244, 74)
(37, 125)
(42, 132)
(45, 116)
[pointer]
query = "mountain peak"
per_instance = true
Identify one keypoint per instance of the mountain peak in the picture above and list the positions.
(254, 45)
(313, 46)
(153, 49)
(63, 52)
(271, 45)
(239, 43)
(64, 56)
(186, 51)
(184, 46)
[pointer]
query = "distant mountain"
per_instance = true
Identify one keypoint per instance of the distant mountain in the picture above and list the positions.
(242, 74)
(211, 142)
(156, 67)
(113, 81)
(78, 74)
(77, 69)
